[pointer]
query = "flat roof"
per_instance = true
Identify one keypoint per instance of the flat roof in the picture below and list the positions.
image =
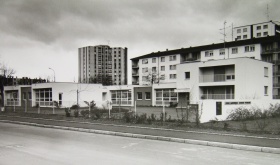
(209, 47)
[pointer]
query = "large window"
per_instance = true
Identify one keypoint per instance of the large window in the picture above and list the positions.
(147, 95)
(166, 96)
(121, 97)
(172, 67)
(162, 59)
(144, 70)
(222, 52)
(209, 53)
(11, 97)
(145, 61)
(265, 71)
(43, 97)
(154, 60)
(139, 96)
(172, 58)
(172, 76)
(250, 48)
(238, 30)
(234, 50)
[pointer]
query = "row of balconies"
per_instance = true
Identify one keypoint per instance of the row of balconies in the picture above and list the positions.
(216, 78)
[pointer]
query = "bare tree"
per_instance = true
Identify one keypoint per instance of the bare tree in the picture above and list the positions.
(154, 77)
(6, 72)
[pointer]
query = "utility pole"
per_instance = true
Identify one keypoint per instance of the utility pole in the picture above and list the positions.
(267, 12)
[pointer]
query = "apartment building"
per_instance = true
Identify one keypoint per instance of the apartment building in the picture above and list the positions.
(102, 64)
(265, 49)
(264, 29)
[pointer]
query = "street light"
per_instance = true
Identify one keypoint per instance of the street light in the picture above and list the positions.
(53, 74)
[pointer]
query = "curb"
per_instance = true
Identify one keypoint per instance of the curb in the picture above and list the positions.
(151, 128)
(161, 138)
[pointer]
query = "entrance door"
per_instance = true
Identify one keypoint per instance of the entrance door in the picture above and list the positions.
(60, 99)
(218, 108)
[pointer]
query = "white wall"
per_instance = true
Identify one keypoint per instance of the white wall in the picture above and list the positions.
(87, 92)
(158, 65)
(209, 108)
(228, 53)
(249, 78)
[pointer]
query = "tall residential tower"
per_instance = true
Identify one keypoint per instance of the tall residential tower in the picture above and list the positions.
(103, 64)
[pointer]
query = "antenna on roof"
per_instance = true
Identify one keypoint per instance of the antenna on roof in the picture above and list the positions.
(108, 42)
(267, 12)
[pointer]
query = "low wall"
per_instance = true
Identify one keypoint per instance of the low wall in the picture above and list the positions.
(208, 107)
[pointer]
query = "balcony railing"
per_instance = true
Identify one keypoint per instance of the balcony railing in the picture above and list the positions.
(135, 83)
(270, 50)
(217, 78)
(276, 84)
(217, 96)
(135, 74)
(135, 66)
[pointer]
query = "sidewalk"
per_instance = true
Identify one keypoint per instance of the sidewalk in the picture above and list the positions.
(252, 143)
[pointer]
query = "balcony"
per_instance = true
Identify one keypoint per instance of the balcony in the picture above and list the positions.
(135, 66)
(135, 83)
(276, 84)
(269, 51)
(217, 96)
(135, 74)
(216, 78)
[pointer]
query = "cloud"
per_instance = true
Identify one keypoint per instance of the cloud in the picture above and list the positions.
(52, 28)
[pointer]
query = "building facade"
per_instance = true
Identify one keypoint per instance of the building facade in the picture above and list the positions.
(102, 64)
(264, 49)
(258, 30)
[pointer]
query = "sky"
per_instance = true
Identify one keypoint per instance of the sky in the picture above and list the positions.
(36, 35)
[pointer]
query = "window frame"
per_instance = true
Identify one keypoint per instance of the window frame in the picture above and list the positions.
(139, 94)
(233, 50)
(222, 51)
(187, 75)
(265, 71)
(266, 90)
(154, 60)
(147, 94)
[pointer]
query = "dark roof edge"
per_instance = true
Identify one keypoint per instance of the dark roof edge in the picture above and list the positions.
(210, 47)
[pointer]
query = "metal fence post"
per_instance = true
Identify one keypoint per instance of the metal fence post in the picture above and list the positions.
(53, 106)
(14, 105)
(135, 109)
(163, 111)
(39, 108)
(25, 106)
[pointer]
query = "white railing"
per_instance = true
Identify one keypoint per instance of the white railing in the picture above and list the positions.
(216, 77)
(217, 96)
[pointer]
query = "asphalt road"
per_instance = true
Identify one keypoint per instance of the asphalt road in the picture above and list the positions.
(21, 144)
(263, 142)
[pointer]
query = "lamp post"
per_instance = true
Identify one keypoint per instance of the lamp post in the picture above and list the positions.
(53, 74)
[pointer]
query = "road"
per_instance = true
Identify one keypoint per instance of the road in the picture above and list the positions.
(263, 142)
(21, 144)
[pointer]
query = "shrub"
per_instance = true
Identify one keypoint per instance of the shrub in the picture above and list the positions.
(241, 114)
(141, 119)
(76, 113)
(67, 112)
(128, 117)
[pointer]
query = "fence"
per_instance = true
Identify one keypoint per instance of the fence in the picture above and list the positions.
(170, 111)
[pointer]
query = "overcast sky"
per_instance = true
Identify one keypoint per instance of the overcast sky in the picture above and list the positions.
(38, 34)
